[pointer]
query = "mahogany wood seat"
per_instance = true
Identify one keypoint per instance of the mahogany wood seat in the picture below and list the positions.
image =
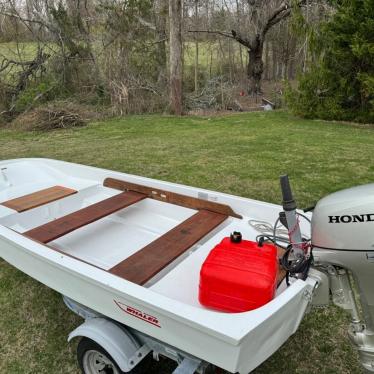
(64, 225)
(171, 197)
(153, 258)
(38, 198)
(150, 260)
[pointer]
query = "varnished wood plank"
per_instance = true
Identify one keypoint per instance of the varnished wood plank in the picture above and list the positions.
(38, 198)
(150, 260)
(64, 225)
(171, 197)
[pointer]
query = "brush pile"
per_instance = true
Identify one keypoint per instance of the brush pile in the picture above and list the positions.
(217, 94)
(55, 115)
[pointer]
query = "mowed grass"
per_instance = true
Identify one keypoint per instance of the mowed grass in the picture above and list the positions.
(242, 154)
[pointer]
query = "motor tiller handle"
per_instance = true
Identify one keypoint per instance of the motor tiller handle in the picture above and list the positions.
(288, 200)
(289, 206)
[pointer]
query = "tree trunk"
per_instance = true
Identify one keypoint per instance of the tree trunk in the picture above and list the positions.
(274, 61)
(161, 13)
(196, 48)
(175, 17)
(196, 65)
(242, 68)
(267, 62)
(306, 48)
(255, 69)
(231, 63)
(292, 59)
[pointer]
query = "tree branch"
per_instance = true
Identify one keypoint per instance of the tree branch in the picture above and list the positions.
(282, 12)
(222, 33)
(232, 35)
(240, 39)
(7, 62)
(27, 20)
(145, 23)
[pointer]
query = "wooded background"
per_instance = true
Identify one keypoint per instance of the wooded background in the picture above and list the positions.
(137, 56)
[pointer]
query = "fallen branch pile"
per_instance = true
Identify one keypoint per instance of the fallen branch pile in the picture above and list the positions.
(56, 115)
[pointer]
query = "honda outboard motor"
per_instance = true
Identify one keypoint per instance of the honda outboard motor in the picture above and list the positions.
(343, 245)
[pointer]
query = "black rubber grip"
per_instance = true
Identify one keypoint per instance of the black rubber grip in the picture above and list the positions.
(286, 188)
(288, 201)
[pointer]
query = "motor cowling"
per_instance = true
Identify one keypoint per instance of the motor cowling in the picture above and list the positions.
(343, 239)
(344, 220)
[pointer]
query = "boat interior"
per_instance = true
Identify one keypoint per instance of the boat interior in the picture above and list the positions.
(152, 237)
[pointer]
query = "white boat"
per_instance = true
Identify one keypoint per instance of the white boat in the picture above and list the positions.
(101, 238)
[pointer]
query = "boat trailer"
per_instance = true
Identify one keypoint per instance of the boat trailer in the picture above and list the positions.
(125, 347)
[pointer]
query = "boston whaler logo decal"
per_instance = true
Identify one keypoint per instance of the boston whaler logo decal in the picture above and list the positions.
(138, 314)
(352, 218)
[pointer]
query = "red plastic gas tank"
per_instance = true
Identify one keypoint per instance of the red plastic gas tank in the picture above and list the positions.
(238, 277)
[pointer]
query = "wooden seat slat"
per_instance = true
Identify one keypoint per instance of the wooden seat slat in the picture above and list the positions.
(64, 225)
(150, 260)
(172, 197)
(38, 198)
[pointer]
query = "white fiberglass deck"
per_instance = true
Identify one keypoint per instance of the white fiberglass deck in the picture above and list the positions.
(110, 240)
(226, 340)
(106, 242)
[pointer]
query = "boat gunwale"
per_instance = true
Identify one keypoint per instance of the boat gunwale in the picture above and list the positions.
(151, 182)
(228, 327)
(157, 302)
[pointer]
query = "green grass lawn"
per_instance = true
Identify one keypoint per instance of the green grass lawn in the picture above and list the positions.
(242, 154)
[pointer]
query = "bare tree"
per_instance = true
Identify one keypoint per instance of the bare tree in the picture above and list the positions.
(196, 48)
(160, 16)
(258, 18)
(117, 51)
(175, 19)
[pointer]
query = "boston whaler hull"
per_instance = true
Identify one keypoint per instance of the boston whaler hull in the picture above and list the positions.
(105, 240)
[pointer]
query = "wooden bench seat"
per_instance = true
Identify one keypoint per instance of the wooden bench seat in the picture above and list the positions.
(150, 260)
(171, 197)
(64, 225)
(38, 198)
(153, 258)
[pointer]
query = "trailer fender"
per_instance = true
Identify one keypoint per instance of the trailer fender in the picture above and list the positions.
(118, 342)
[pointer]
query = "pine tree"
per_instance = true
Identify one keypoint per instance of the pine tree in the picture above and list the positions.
(341, 85)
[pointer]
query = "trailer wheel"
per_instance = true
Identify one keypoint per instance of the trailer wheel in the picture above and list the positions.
(94, 359)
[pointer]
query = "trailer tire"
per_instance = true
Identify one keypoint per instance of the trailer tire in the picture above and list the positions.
(94, 359)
